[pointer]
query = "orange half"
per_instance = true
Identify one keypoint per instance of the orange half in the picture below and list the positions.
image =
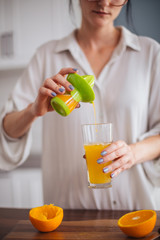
(138, 224)
(46, 218)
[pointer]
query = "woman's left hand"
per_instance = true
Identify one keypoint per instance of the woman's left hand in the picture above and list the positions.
(121, 155)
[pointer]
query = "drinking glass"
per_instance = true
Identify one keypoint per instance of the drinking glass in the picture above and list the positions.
(96, 138)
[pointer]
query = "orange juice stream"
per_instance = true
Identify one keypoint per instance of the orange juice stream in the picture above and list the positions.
(95, 119)
(95, 170)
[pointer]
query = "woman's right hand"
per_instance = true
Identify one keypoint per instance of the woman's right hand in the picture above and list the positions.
(50, 88)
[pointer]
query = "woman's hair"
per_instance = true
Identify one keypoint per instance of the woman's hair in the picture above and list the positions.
(129, 18)
(72, 12)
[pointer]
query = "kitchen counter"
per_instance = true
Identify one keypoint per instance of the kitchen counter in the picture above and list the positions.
(76, 224)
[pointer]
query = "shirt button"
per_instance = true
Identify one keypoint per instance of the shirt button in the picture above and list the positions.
(114, 202)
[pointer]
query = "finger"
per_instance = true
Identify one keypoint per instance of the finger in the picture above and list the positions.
(120, 162)
(116, 154)
(78, 105)
(54, 87)
(65, 71)
(112, 147)
(116, 172)
(61, 80)
(47, 92)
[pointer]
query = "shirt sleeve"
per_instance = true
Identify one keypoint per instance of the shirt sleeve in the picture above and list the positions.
(13, 152)
(154, 100)
(152, 168)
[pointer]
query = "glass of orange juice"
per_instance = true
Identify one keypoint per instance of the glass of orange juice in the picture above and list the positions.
(96, 138)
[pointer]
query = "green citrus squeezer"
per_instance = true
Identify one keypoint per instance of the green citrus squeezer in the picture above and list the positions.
(83, 92)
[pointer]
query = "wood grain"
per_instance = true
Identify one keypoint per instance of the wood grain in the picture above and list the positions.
(98, 229)
(77, 224)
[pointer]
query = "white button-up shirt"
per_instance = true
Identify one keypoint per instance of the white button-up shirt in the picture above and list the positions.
(127, 94)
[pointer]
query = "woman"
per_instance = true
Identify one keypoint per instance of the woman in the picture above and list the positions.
(126, 70)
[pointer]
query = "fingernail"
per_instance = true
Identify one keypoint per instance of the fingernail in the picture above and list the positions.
(78, 105)
(53, 94)
(103, 153)
(105, 170)
(75, 69)
(112, 175)
(61, 89)
(100, 160)
(71, 87)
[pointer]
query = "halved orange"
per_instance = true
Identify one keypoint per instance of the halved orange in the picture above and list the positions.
(46, 218)
(138, 223)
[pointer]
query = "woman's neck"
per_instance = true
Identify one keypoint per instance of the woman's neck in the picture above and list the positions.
(98, 38)
(98, 45)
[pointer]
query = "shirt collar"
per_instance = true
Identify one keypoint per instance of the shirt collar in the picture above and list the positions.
(128, 39)
(67, 43)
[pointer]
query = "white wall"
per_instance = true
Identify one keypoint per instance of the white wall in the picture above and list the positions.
(32, 22)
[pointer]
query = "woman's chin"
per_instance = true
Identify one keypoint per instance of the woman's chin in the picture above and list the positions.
(98, 23)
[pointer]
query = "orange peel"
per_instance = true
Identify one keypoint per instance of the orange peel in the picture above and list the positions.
(138, 223)
(46, 218)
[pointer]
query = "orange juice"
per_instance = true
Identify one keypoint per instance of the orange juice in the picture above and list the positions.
(95, 170)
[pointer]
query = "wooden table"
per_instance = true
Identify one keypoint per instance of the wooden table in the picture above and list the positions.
(76, 224)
